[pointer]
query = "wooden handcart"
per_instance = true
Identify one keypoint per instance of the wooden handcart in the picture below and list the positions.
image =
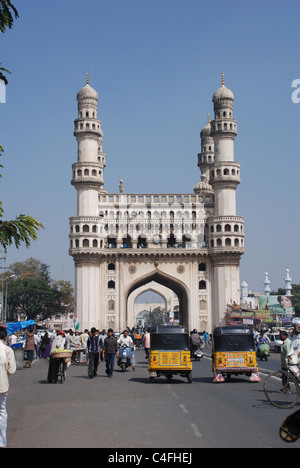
(63, 358)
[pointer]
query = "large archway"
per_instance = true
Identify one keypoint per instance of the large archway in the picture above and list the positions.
(169, 282)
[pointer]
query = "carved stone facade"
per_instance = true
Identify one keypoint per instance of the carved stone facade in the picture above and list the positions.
(123, 243)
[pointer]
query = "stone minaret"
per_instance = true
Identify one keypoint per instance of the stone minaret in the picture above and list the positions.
(225, 228)
(88, 171)
(85, 236)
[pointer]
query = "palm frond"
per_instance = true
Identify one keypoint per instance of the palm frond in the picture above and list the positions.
(22, 230)
(6, 15)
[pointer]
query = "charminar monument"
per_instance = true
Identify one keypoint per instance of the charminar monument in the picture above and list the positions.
(124, 244)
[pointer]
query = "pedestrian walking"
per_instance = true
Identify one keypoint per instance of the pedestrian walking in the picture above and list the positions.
(45, 346)
(93, 348)
(285, 351)
(7, 367)
(206, 338)
(30, 345)
(102, 337)
(58, 342)
(110, 350)
(146, 341)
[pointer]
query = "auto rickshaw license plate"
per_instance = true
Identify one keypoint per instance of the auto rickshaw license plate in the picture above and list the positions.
(236, 360)
(169, 358)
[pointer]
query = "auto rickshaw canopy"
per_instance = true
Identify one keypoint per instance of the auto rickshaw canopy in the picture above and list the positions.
(169, 338)
(233, 338)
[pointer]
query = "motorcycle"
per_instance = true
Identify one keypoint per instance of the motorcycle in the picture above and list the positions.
(124, 356)
(197, 354)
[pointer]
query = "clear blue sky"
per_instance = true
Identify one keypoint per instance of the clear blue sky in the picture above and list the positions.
(155, 65)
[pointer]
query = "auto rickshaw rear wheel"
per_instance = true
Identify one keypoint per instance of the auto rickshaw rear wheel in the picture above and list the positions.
(189, 377)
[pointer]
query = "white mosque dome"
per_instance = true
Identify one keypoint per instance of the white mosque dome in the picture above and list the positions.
(206, 130)
(203, 185)
(223, 93)
(87, 92)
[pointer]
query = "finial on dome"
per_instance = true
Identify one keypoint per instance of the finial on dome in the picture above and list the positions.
(121, 186)
(87, 78)
(223, 79)
(208, 118)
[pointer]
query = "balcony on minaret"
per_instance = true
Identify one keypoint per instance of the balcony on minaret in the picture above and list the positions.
(88, 127)
(228, 127)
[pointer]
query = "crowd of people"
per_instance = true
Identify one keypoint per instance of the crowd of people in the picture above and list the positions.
(102, 346)
(95, 345)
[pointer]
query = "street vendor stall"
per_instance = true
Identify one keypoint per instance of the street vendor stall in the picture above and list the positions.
(13, 327)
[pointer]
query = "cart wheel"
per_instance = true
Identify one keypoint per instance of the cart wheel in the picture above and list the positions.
(189, 377)
(123, 367)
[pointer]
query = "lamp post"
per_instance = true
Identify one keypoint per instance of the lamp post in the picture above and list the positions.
(5, 307)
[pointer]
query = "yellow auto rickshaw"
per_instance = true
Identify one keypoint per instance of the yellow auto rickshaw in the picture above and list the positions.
(234, 353)
(169, 353)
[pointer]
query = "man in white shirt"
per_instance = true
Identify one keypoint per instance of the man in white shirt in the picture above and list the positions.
(7, 367)
(295, 343)
(125, 339)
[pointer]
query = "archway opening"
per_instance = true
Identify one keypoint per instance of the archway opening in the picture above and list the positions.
(182, 310)
(156, 305)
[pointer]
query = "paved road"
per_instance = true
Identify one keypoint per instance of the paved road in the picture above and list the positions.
(128, 411)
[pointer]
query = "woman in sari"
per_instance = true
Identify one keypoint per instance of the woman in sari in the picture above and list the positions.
(45, 346)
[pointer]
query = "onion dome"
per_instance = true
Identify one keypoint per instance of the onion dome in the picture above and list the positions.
(223, 92)
(87, 92)
(203, 185)
(207, 129)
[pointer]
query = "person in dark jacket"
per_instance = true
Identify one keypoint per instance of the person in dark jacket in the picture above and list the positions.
(93, 348)
(110, 350)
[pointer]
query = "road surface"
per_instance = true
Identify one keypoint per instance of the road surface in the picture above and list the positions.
(129, 412)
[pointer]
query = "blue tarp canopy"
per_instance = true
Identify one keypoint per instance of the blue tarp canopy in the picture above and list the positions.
(15, 326)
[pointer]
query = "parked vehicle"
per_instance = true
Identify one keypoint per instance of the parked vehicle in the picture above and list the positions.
(275, 342)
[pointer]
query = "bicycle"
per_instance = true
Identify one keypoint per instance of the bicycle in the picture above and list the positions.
(282, 388)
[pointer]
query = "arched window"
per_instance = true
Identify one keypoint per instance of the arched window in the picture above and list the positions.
(228, 242)
(202, 267)
(111, 285)
(86, 228)
(86, 243)
(111, 267)
(227, 228)
(111, 305)
(202, 285)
